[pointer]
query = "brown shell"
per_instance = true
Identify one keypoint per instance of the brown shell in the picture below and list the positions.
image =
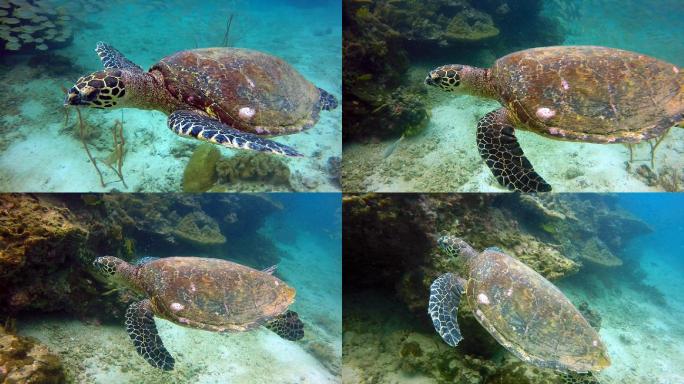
(530, 317)
(213, 294)
(593, 94)
(222, 81)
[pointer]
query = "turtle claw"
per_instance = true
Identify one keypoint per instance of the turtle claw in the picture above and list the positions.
(202, 127)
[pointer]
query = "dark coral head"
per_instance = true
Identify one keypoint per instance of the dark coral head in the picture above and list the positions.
(102, 89)
(108, 265)
(446, 77)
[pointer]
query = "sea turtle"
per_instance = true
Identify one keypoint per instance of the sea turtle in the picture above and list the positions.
(580, 93)
(211, 294)
(228, 96)
(522, 310)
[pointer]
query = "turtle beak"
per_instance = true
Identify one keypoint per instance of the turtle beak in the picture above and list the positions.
(430, 79)
(73, 97)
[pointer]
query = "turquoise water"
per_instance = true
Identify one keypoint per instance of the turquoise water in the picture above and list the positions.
(299, 233)
(635, 306)
(418, 163)
(643, 332)
(39, 152)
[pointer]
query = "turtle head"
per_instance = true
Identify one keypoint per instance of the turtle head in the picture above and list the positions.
(101, 89)
(455, 247)
(110, 266)
(446, 77)
(460, 79)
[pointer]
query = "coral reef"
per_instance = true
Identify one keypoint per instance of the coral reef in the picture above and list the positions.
(200, 173)
(383, 37)
(253, 167)
(48, 242)
(382, 349)
(589, 229)
(24, 360)
(199, 229)
(471, 25)
(389, 240)
(37, 238)
(27, 25)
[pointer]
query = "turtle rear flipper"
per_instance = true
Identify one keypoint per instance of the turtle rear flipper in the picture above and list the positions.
(288, 326)
(328, 102)
(202, 127)
(142, 330)
(499, 148)
(445, 295)
(112, 58)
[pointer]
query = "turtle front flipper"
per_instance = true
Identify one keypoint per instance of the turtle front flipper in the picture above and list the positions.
(142, 330)
(445, 295)
(202, 127)
(288, 326)
(112, 58)
(499, 148)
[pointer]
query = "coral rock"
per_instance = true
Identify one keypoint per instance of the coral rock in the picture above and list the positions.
(24, 360)
(200, 173)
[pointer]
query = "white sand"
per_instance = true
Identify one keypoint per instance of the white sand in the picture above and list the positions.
(445, 158)
(105, 354)
(40, 158)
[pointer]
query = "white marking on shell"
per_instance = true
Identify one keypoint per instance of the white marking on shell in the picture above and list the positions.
(250, 82)
(509, 292)
(594, 343)
(277, 283)
(565, 84)
(177, 307)
(545, 113)
(246, 113)
(482, 298)
(675, 69)
(192, 287)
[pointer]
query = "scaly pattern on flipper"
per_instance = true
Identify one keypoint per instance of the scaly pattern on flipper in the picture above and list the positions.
(445, 295)
(288, 326)
(499, 148)
(143, 331)
(112, 58)
(193, 124)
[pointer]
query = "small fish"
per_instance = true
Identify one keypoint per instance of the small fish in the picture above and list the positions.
(390, 148)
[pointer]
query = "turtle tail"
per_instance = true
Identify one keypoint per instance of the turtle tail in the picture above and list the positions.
(327, 101)
(288, 326)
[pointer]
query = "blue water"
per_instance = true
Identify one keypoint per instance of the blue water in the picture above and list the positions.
(299, 233)
(39, 152)
(641, 303)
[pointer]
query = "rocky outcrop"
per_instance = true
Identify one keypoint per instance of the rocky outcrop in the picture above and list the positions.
(25, 360)
(48, 243)
(390, 240)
